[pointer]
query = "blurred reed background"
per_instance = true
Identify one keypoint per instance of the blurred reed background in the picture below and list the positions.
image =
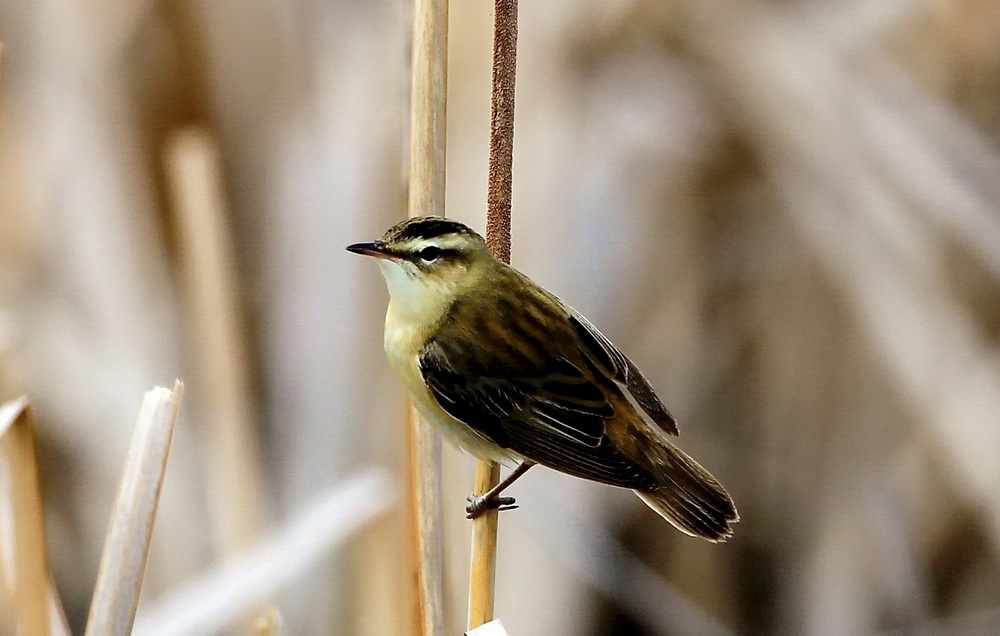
(786, 212)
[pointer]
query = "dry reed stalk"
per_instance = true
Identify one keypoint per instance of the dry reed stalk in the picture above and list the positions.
(36, 607)
(482, 571)
(123, 563)
(221, 596)
(428, 118)
(482, 574)
(4, 344)
(26, 574)
(211, 286)
(426, 524)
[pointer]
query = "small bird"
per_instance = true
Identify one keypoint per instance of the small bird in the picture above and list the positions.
(510, 373)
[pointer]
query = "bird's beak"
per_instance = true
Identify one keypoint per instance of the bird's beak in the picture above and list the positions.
(376, 249)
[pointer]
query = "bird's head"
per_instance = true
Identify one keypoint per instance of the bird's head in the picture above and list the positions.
(427, 261)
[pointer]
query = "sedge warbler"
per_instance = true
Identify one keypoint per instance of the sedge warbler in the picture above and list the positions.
(510, 373)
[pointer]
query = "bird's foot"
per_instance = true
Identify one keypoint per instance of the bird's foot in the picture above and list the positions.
(479, 505)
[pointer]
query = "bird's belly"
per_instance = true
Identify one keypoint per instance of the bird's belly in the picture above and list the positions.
(397, 343)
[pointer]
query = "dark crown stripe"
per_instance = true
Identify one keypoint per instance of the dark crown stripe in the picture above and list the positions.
(426, 227)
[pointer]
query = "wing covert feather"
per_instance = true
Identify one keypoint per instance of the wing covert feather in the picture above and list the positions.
(616, 365)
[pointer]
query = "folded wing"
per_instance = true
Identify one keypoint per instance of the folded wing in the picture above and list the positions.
(545, 409)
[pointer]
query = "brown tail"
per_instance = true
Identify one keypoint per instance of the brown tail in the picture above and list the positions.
(689, 497)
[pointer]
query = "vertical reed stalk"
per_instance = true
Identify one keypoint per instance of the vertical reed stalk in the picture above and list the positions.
(482, 573)
(428, 111)
(484, 534)
(208, 268)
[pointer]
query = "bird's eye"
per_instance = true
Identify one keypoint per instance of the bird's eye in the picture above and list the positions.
(429, 253)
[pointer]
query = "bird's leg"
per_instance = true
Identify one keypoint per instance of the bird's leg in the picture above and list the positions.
(491, 499)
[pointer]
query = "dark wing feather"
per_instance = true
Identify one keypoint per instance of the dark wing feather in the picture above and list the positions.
(557, 398)
(481, 402)
(615, 364)
(545, 409)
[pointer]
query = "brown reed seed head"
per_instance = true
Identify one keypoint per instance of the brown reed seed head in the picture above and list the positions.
(502, 129)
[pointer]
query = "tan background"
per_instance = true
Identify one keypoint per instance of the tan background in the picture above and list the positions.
(785, 212)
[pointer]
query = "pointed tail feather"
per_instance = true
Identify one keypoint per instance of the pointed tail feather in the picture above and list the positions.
(689, 497)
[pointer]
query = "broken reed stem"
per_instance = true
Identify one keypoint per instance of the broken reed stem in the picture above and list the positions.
(26, 574)
(484, 533)
(123, 562)
(428, 115)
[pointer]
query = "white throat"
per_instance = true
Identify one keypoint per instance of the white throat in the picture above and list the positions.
(414, 297)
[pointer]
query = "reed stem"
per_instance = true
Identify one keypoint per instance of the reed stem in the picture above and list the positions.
(482, 575)
(428, 112)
